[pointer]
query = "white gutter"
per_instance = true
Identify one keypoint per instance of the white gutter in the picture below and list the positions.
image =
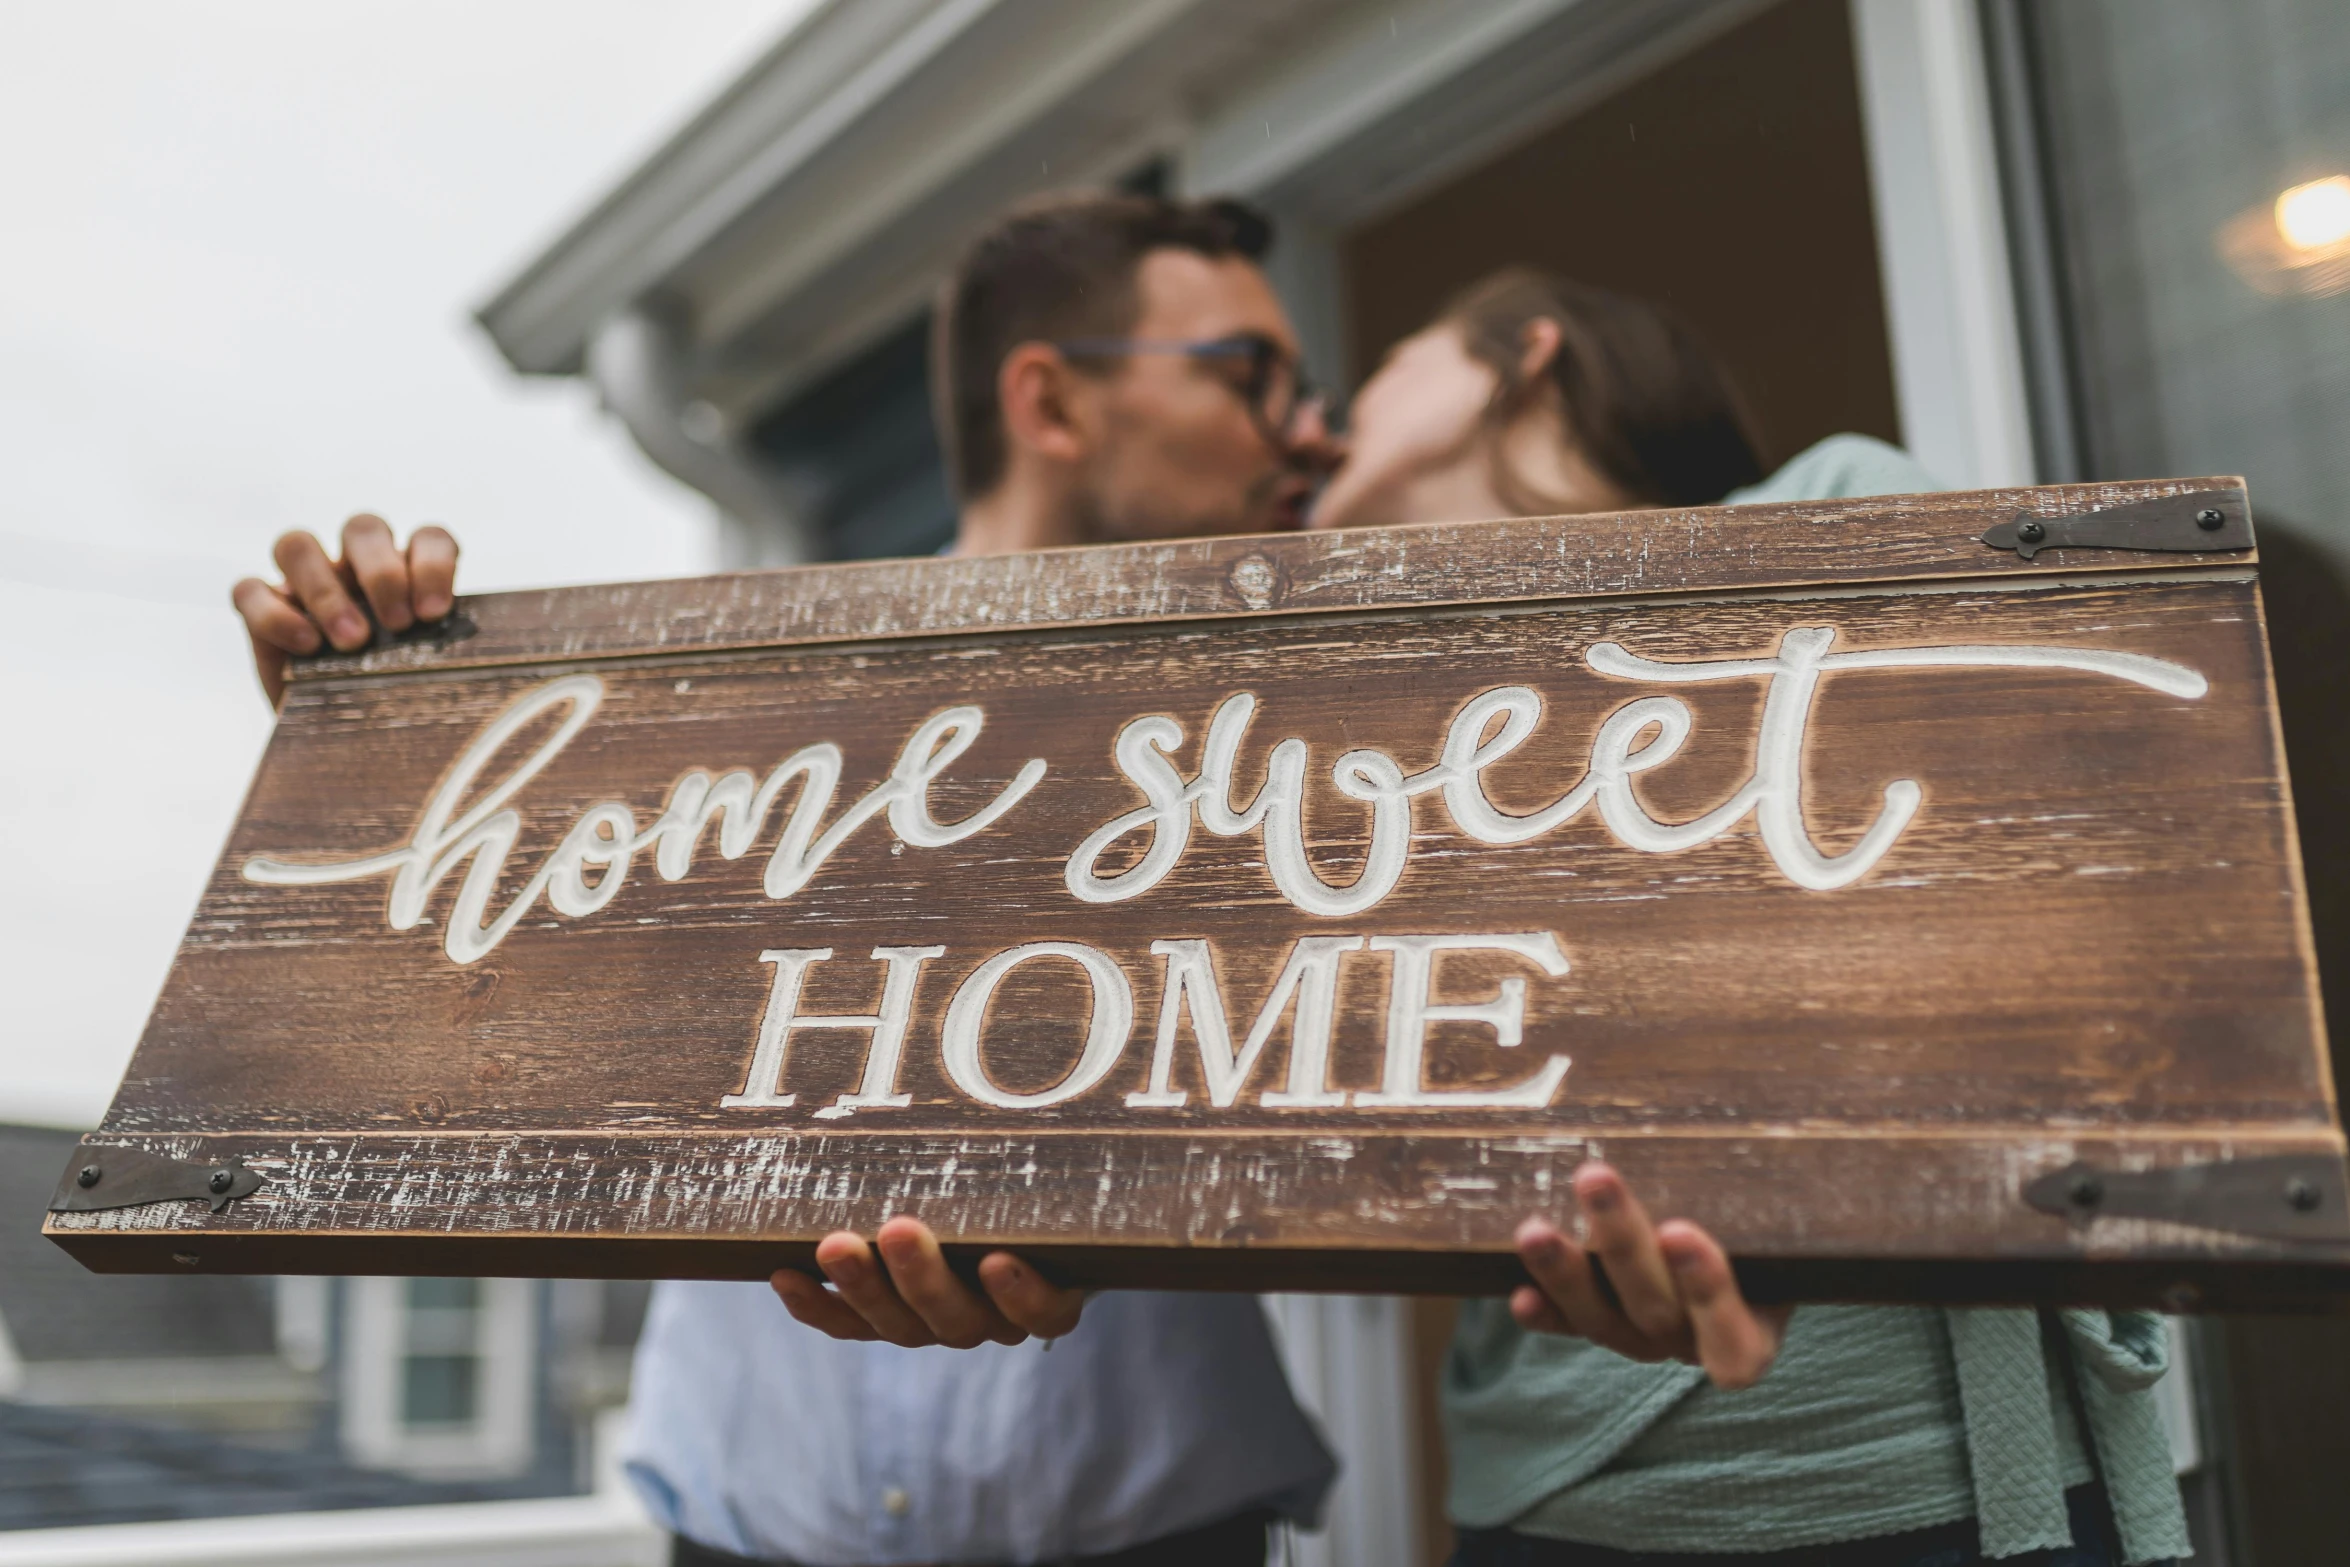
(638, 365)
(832, 64)
(572, 1531)
(864, 112)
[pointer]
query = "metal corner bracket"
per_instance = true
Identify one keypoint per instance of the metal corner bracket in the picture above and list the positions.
(2285, 1197)
(132, 1177)
(2200, 522)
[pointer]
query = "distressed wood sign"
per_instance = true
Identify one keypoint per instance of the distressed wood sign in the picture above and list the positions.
(1904, 888)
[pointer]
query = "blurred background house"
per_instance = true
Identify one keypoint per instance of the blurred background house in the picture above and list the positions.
(2033, 241)
(162, 1397)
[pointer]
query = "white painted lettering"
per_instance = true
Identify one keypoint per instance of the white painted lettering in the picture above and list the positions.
(1467, 753)
(763, 1087)
(1642, 734)
(1410, 1010)
(1109, 1022)
(590, 867)
(1279, 808)
(444, 839)
(1774, 793)
(1305, 990)
(1310, 977)
(605, 835)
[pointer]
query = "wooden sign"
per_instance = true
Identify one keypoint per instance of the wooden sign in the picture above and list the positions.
(1920, 914)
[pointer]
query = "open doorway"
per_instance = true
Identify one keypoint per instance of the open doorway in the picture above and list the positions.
(1731, 185)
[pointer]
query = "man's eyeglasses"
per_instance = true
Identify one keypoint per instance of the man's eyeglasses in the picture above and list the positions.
(1271, 381)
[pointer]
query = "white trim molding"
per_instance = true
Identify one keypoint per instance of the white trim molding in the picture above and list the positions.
(153, 1382)
(571, 1531)
(812, 204)
(1950, 307)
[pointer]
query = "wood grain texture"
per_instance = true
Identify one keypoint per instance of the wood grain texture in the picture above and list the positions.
(2090, 851)
(1808, 543)
(2089, 942)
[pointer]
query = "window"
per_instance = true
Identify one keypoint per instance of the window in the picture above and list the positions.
(2199, 164)
(438, 1378)
(2195, 160)
(440, 1364)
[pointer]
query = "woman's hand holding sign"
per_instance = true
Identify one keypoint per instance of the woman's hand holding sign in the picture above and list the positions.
(1667, 1293)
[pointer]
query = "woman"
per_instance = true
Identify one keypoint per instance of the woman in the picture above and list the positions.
(1580, 1432)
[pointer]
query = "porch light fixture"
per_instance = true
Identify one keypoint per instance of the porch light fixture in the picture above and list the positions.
(2316, 216)
(2297, 244)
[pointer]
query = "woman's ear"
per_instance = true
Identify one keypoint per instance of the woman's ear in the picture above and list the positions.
(1538, 350)
(1037, 390)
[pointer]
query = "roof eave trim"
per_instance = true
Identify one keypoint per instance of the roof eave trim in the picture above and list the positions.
(829, 68)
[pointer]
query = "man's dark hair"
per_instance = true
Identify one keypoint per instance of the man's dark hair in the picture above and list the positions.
(1054, 269)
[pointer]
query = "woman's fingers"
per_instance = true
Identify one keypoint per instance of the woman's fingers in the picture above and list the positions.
(432, 572)
(377, 564)
(1537, 1313)
(864, 1285)
(1562, 1271)
(818, 1307)
(1644, 1290)
(1568, 1281)
(1734, 1342)
(1618, 1230)
(1026, 1298)
(958, 1315)
(314, 584)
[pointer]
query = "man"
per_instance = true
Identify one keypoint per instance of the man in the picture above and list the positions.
(1104, 369)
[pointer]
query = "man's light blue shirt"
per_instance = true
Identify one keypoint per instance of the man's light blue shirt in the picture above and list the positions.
(753, 1434)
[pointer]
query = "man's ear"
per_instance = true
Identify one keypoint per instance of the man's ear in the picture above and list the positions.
(1040, 394)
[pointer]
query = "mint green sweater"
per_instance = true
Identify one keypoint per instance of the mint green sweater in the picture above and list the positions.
(1875, 1419)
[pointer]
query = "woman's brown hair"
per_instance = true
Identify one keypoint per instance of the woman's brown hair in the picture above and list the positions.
(1645, 400)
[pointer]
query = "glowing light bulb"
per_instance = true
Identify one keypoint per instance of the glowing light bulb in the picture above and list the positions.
(2316, 216)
